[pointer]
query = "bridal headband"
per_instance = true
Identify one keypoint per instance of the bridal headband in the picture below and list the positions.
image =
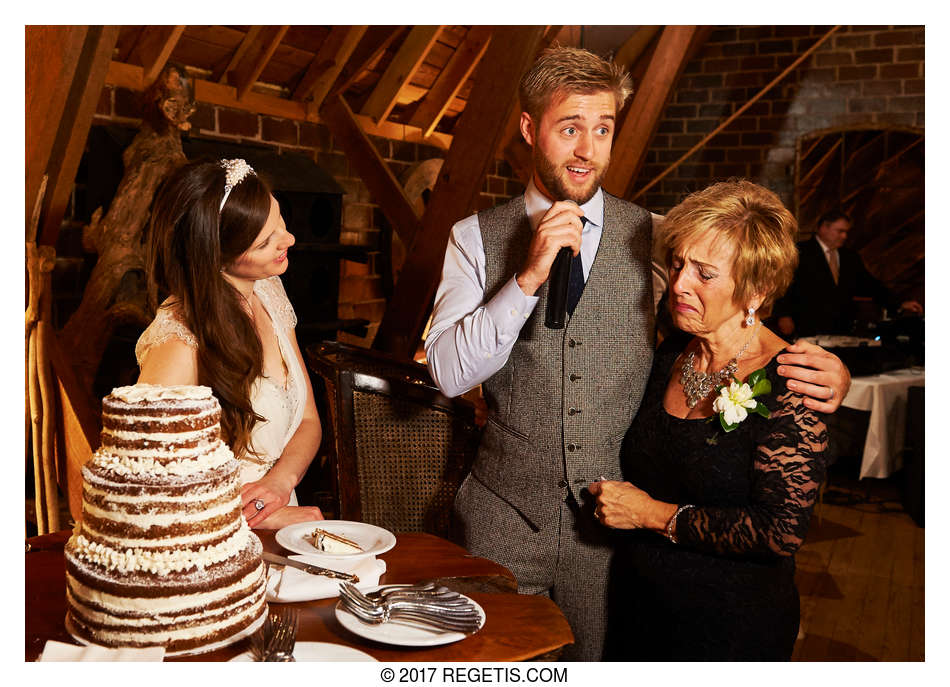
(236, 170)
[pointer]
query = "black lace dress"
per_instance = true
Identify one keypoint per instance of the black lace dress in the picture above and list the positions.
(726, 591)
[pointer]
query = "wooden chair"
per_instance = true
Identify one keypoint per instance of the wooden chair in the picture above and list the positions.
(399, 449)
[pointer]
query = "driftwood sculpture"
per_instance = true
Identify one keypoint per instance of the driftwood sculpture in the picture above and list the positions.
(116, 291)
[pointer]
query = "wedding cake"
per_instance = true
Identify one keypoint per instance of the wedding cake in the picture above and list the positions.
(162, 555)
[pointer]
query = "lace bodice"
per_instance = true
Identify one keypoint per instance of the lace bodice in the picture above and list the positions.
(726, 589)
(282, 407)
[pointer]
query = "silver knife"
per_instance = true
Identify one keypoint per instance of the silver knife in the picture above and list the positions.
(312, 569)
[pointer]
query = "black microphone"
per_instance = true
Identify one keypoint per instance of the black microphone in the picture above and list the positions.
(558, 282)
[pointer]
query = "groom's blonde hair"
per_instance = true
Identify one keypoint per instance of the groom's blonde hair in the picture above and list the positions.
(565, 70)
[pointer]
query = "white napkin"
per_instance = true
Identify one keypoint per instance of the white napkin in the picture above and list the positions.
(59, 651)
(286, 584)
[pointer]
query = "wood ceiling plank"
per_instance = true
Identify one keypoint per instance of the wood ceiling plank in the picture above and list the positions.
(157, 49)
(328, 63)
(399, 72)
(375, 42)
(73, 127)
(257, 58)
(448, 84)
(221, 76)
(52, 55)
(509, 54)
(130, 76)
(386, 190)
(643, 116)
(628, 53)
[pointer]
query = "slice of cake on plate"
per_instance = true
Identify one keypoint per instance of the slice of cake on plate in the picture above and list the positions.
(328, 542)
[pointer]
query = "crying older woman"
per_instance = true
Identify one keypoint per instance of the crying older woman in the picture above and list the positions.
(723, 461)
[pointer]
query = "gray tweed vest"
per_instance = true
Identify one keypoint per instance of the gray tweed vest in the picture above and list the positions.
(559, 408)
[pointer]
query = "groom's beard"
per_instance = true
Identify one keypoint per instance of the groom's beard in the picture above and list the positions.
(554, 178)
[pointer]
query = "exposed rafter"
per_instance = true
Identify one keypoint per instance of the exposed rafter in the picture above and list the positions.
(80, 106)
(375, 173)
(643, 116)
(222, 75)
(155, 48)
(450, 81)
(397, 75)
(376, 41)
(257, 57)
(476, 135)
(328, 63)
(130, 76)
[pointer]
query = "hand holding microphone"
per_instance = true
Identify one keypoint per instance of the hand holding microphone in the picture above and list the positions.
(558, 234)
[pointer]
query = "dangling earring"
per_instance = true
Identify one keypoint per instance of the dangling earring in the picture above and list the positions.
(750, 318)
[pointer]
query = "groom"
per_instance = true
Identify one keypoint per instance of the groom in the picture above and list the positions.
(559, 400)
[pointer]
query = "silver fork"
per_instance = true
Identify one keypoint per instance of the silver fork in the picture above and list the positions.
(458, 618)
(285, 636)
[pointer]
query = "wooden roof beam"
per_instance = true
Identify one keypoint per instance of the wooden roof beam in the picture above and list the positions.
(52, 56)
(765, 89)
(254, 62)
(628, 53)
(399, 72)
(221, 75)
(73, 127)
(451, 79)
(481, 125)
(328, 63)
(375, 42)
(643, 116)
(386, 190)
(155, 49)
(130, 76)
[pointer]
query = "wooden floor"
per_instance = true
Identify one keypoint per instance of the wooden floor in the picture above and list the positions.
(861, 578)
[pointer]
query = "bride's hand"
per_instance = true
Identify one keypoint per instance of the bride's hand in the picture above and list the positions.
(269, 492)
(289, 515)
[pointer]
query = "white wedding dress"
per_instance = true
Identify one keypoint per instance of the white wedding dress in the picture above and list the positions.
(282, 407)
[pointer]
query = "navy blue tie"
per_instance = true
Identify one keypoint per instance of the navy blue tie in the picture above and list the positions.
(575, 283)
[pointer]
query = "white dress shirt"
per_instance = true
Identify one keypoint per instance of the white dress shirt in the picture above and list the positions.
(469, 339)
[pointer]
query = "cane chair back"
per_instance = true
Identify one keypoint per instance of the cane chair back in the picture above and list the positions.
(399, 448)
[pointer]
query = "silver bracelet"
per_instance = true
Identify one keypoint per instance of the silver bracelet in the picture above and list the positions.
(672, 523)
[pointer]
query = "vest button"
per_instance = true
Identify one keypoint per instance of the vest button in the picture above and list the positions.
(573, 411)
(572, 447)
(574, 378)
(562, 483)
(572, 343)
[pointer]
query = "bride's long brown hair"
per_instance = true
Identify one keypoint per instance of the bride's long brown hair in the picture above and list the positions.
(189, 244)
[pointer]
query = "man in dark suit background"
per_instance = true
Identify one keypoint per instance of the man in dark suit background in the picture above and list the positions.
(829, 277)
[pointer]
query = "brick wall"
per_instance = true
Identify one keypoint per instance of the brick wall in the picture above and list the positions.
(362, 286)
(861, 76)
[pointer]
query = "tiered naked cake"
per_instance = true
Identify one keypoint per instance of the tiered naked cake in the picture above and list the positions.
(163, 555)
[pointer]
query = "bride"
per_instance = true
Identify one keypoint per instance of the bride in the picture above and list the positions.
(217, 245)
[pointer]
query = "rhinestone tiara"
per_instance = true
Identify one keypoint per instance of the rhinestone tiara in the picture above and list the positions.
(235, 172)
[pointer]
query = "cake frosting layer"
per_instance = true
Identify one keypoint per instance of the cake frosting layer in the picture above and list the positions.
(162, 555)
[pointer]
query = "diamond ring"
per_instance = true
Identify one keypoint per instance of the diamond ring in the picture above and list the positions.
(259, 504)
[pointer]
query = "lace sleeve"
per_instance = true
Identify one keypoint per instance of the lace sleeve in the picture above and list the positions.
(788, 469)
(272, 294)
(164, 327)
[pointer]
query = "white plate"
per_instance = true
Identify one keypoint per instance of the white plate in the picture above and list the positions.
(402, 634)
(372, 539)
(318, 651)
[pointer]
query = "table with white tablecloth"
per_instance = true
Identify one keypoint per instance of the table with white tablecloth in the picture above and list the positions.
(885, 397)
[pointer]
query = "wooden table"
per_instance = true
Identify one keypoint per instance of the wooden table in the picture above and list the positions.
(517, 627)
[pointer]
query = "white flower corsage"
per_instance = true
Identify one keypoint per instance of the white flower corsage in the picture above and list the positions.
(737, 400)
